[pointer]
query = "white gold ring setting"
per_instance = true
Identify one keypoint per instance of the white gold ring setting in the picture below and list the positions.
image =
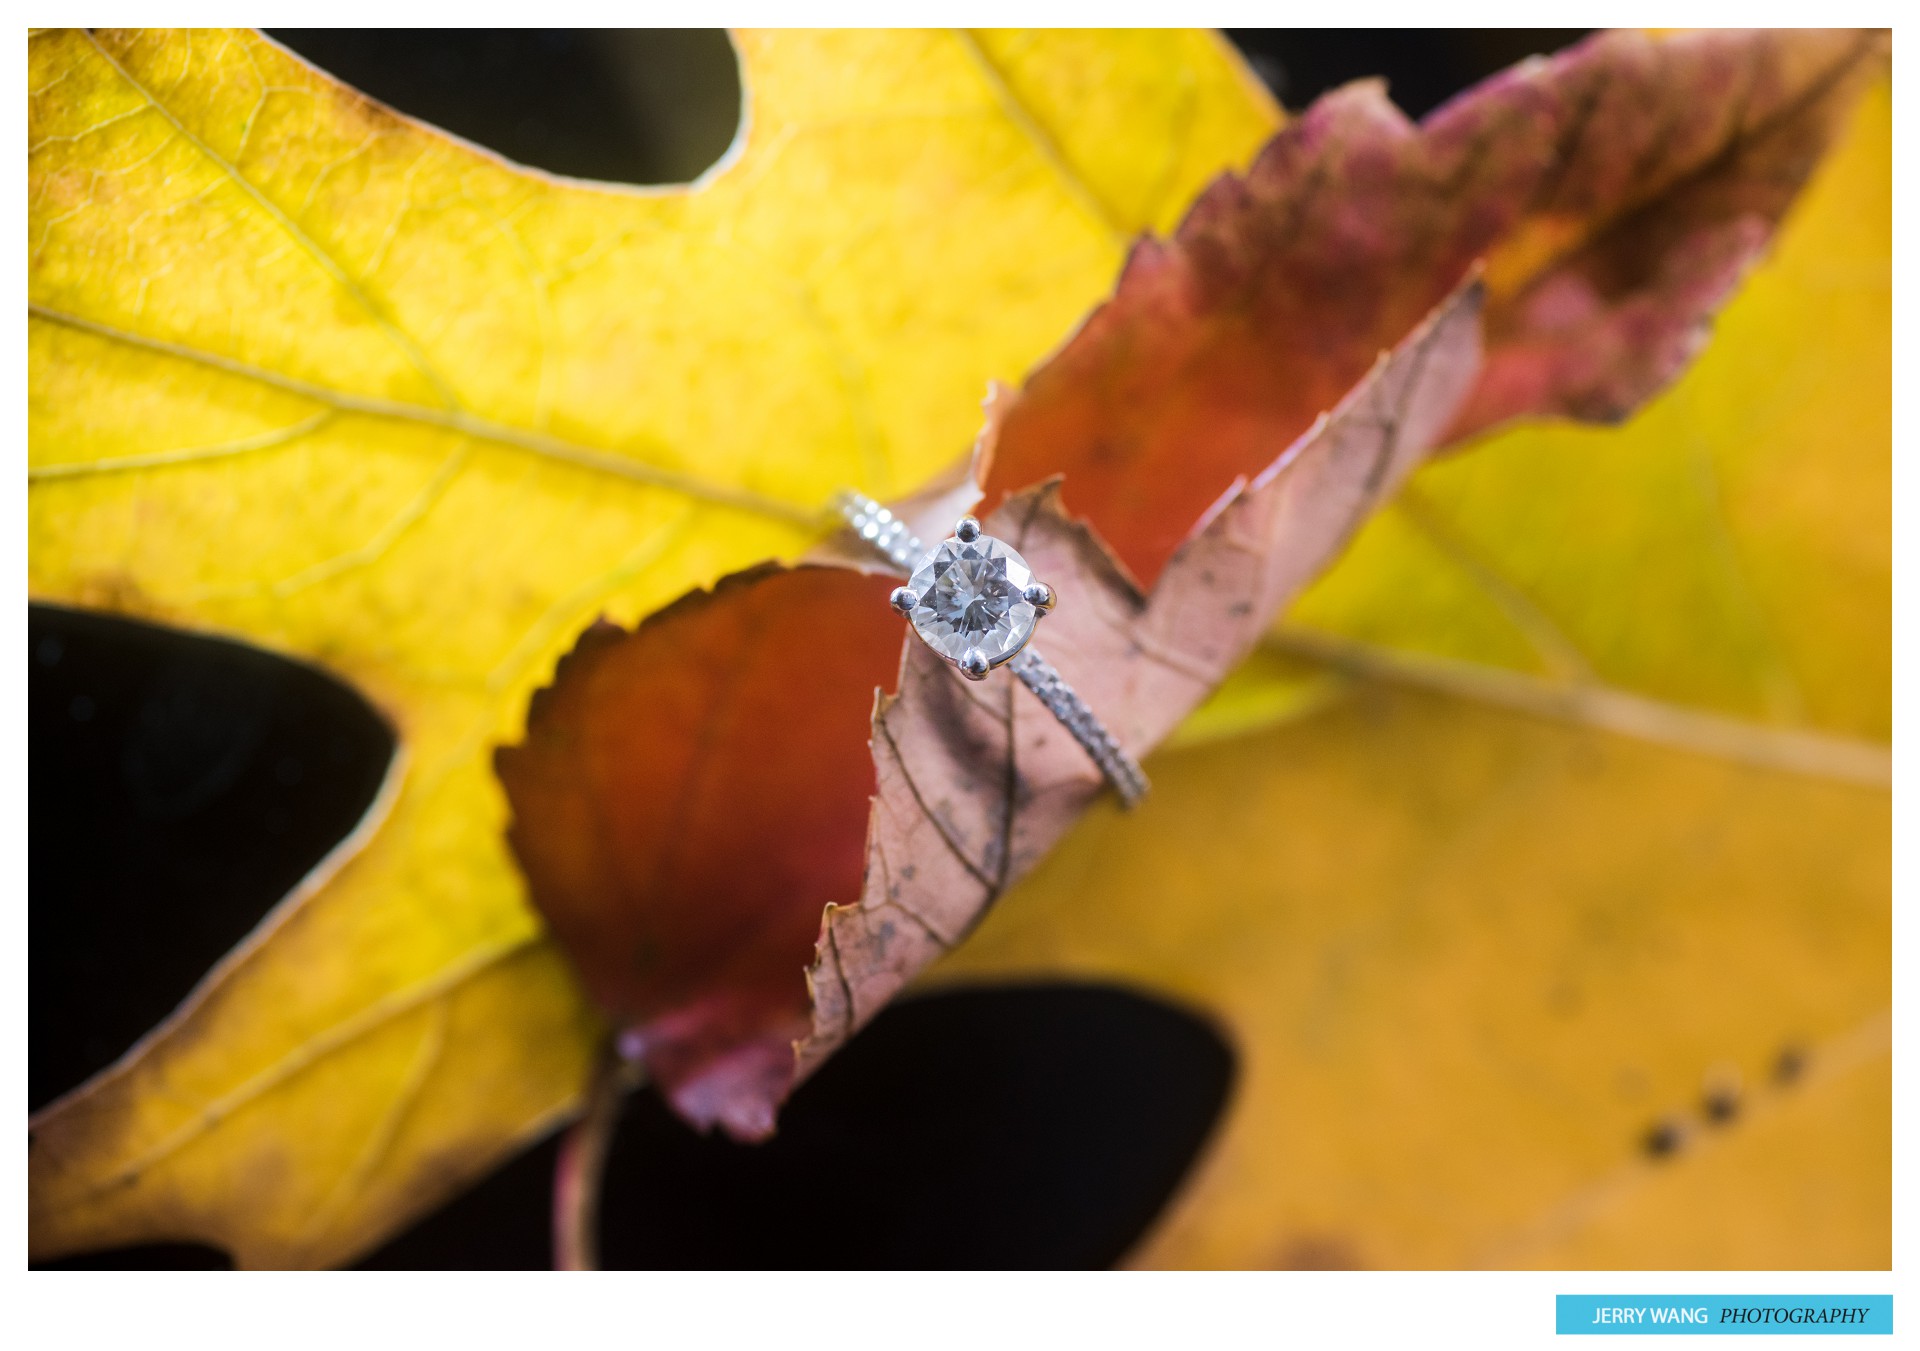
(975, 602)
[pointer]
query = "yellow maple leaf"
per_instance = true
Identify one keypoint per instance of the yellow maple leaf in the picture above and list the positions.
(1558, 803)
(308, 373)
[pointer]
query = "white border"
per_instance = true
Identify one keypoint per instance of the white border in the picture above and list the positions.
(849, 1311)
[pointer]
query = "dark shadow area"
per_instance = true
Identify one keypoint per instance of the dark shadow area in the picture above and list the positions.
(177, 787)
(640, 105)
(146, 1257)
(1423, 67)
(1026, 1127)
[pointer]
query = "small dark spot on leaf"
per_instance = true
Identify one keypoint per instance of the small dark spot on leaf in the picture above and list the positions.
(1720, 1095)
(1789, 1065)
(1720, 1105)
(1665, 1138)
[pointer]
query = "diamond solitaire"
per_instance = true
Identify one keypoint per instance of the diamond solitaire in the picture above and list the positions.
(974, 596)
(973, 600)
(975, 603)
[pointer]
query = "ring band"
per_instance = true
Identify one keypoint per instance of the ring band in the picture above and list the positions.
(977, 609)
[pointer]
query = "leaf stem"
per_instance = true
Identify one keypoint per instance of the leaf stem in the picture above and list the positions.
(579, 1172)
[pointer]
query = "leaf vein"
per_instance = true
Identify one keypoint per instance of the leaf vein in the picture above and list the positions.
(415, 356)
(280, 436)
(1044, 145)
(1791, 750)
(482, 429)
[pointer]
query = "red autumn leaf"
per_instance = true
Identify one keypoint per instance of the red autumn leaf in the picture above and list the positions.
(1617, 192)
(689, 798)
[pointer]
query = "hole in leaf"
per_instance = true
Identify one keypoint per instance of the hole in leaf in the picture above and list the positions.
(1424, 67)
(144, 1257)
(642, 106)
(1024, 1127)
(177, 788)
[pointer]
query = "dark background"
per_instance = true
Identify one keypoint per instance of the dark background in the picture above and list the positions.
(180, 786)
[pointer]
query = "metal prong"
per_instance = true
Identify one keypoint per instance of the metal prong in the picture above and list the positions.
(1040, 597)
(903, 599)
(973, 664)
(968, 530)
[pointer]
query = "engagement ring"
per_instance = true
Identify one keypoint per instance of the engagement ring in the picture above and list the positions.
(976, 603)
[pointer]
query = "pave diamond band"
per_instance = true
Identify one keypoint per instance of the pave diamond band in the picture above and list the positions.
(1121, 769)
(880, 528)
(974, 601)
